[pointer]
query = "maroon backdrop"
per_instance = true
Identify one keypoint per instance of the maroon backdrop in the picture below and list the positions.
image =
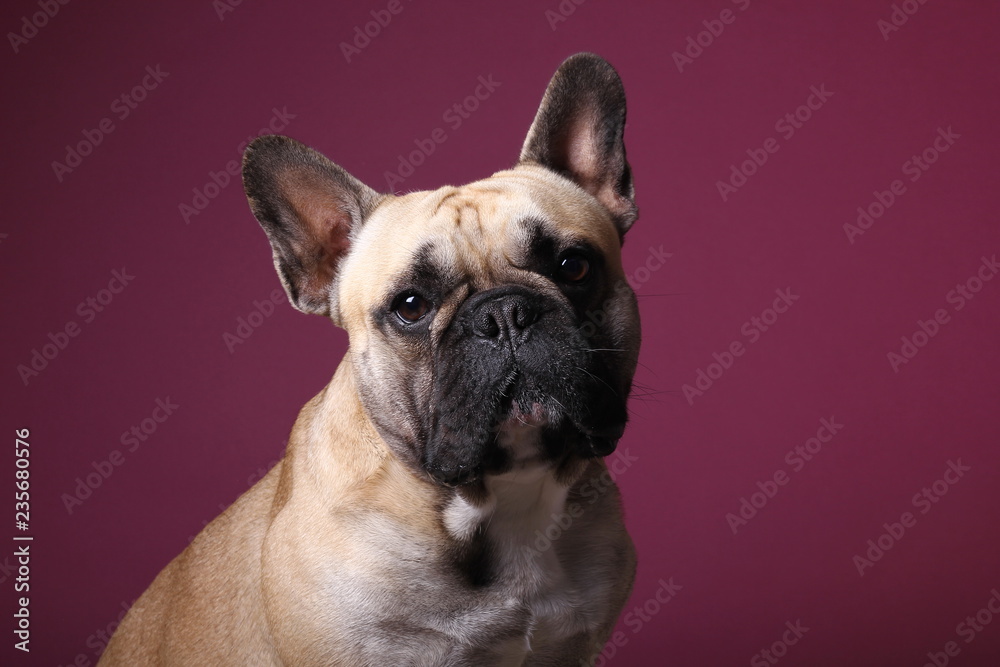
(812, 459)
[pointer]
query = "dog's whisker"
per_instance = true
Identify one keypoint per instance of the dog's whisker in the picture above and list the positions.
(613, 391)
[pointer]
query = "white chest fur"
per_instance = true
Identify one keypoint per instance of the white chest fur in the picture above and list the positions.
(522, 505)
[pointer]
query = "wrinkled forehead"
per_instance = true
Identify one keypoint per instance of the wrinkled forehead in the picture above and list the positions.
(479, 231)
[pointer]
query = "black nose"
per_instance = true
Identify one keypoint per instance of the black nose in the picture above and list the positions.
(503, 315)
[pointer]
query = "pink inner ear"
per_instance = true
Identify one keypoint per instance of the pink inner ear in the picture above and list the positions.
(583, 160)
(326, 217)
(338, 236)
(326, 225)
(581, 156)
(327, 244)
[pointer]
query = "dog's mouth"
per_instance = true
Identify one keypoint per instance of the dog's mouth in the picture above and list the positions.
(522, 402)
(519, 435)
(534, 415)
(529, 403)
(529, 422)
(527, 387)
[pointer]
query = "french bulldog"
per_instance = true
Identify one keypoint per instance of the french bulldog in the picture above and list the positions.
(493, 340)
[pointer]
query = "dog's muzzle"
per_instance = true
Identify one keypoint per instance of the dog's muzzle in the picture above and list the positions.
(512, 352)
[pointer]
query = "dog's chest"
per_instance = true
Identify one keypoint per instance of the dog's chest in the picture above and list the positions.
(524, 572)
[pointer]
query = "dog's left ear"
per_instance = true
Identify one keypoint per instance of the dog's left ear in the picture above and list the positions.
(579, 132)
(310, 209)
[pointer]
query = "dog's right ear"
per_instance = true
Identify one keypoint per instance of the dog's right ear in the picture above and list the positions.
(579, 130)
(310, 209)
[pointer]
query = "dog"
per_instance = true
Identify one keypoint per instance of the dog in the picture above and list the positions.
(493, 340)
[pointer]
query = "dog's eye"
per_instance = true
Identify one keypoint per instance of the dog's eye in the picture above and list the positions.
(411, 307)
(574, 268)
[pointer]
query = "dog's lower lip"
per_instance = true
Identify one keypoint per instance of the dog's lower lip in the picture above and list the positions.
(534, 417)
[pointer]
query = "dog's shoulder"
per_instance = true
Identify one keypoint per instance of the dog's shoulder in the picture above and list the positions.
(193, 597)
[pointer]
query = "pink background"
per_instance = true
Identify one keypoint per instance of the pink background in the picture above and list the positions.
(826, 357)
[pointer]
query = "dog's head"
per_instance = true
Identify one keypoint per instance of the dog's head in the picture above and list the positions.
(490, 324)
